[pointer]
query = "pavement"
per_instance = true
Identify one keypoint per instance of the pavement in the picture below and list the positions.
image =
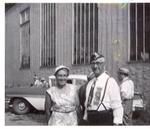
(33, 118)
(36, 118)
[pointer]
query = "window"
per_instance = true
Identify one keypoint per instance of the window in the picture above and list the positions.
(25, 38)
(85, 32)
(25, 16)
(140, 32)
(48, 45)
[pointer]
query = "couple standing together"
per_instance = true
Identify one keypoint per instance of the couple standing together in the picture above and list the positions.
(98, 102)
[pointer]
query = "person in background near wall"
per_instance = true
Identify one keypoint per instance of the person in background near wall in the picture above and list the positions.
(44, 83)
(40, 82)
(62, 100)
(127, 94)
(102, 96)
(37, 82)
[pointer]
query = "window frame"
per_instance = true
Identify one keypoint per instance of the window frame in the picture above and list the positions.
(73, 34)
(41, 41)
(129, 38)
(27, 21)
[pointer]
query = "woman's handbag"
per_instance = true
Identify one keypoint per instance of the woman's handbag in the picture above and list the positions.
(101, 117)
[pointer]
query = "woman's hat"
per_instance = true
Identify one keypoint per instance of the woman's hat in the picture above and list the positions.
(60, 68)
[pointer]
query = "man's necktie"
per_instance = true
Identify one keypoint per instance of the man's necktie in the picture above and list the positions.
(91, 94)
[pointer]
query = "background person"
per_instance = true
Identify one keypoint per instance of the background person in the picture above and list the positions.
(127, 94)
(38, 82)
(44, 83)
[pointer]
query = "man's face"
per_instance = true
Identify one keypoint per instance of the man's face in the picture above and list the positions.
(61, 78)
(97, 68)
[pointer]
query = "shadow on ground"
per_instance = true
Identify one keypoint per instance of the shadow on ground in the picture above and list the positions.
(141, 118)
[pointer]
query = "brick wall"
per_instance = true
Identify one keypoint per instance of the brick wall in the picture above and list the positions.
(140, 73)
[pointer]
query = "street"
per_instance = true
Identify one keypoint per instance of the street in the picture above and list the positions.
(38, 118)
(33, 118)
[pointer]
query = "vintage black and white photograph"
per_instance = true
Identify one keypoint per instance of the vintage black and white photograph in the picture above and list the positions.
(77, 64)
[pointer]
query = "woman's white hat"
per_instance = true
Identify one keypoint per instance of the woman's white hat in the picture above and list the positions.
(60, 67)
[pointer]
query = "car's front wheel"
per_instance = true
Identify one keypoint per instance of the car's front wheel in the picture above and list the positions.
(20, 106)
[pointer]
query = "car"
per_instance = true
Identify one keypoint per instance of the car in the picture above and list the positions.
(74, 79)
(22, 100)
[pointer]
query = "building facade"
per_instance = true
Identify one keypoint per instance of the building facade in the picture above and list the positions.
(39, 37)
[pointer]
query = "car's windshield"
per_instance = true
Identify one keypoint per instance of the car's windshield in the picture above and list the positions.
(78, 82)
(53, 82)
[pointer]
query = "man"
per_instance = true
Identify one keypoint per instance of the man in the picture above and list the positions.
(127, 94)
(82, 98)
(102, 96)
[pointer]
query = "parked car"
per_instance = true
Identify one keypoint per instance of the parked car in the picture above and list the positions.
(22, 100)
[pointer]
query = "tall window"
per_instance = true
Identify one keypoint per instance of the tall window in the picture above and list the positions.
(48, 46)
(140, 31)
(85, 32)
(25, 38)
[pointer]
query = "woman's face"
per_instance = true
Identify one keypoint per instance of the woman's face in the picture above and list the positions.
(61, 78)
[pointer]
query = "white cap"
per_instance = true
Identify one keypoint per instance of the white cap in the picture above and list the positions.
(97, 57)
(124, 70)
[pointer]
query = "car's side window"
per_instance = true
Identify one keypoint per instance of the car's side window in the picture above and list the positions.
(69, 81)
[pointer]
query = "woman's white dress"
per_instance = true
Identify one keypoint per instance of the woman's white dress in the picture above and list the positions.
(64, 104)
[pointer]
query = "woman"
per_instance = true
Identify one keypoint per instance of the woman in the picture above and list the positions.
(61, 100)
